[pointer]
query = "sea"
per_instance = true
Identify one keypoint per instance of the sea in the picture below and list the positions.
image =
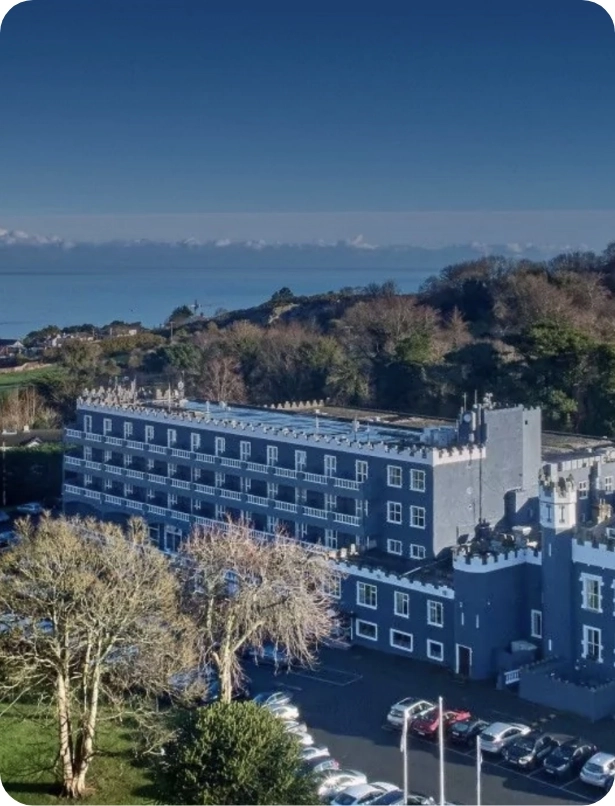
(31, 299)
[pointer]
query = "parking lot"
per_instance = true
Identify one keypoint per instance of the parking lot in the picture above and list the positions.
(345, 699)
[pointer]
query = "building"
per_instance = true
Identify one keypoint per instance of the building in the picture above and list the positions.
(441, 535)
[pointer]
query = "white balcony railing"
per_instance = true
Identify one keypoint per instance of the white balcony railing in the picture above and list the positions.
(96, 495)
(231, 494)
(206, 458)
(180, 453)
(117, 471)
(315, 513)
(205, 488)
(257, 499)
(90, 465)
(347, 484)
(154, 478)
(135, 474)
(73, 432)
(136, 446)
(285, 472)
(72, 460)
(285, 506)
(351, 520)
(156, 448)
(180, 483)
(316, 478)
(114, 499)
(230, 462)
(114, 440)
(92, 437)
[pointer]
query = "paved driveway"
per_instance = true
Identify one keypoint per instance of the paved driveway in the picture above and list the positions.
(345, 699)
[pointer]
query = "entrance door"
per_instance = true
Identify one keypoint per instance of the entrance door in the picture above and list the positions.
(464, 660)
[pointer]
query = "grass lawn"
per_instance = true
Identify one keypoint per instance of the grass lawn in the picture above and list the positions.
(13, 379)
(27, 753)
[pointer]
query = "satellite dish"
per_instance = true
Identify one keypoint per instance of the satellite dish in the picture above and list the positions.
(467, 417)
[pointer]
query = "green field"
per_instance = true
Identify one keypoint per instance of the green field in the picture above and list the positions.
(27, 754)
(13, 379)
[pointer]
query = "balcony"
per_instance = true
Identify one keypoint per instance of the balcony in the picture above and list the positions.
(90, 465)
(284, 472)
(230, 462)
(257, 499)
(205, 489)
(135, 446)
(232, 494)
(285, 506)
(72, 460)
(114, 441)
(181, 454)
(347, 484)
(92, 437)
(73, 432)
(316, 478)
(157, 448)
(350, 520)
(114, 469)
(206, 458)
(311, 512)
(135, 474)
(182, 485)
(113, 499)
(154, 478)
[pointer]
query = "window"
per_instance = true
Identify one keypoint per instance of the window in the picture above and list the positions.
(394, 547)
(417, 552)
(106, 426)
(401, 604)
(272, 455)
(272, 523)
(562, 514)
(331, 538)
(171, 500)
(87, 453)
(394, 476)
(401, 640)
(365, 629)
(171, 437)
(393, 512)
(300, 461)
(108, 484)
(330, 502)
(548, 513)
(417, 481)
(195, 442)
(300, 495)
(301, 530)
(360, 470)
(592, 643)
(361, 508)
(87, 423)
(196, 473)
(334, 588)
(435, 650)
(367, 595)
(536, 625)
(127, 430)
(107, 457)
(150, 494)
(127, 459)
(149, 433)
(272, 490)
(128, 490)
(592, 593)
(330, 465)
(220, 512)
(245, 450)
(417, 517)
(435, 613)
(171, 470)
(220, 479)
(151, 464)
(87, 480)
(219, 446)
(608, 484)
(583, 489)
(245, 485)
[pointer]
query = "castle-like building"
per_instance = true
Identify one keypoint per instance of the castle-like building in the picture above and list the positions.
(456, 544)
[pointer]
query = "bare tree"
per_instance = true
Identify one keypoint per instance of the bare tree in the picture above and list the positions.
(243, 592)
(91, 614)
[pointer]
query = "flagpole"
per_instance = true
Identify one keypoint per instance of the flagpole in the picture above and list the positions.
(479, 761)
(404, 749)
(441, 737)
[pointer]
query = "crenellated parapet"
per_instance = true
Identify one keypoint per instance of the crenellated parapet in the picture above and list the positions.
(493, 561)
(373, 574)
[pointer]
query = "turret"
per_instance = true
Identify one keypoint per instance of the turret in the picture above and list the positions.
(558, 504)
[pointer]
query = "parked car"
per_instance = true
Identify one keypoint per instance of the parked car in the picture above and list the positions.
(271, 655)
(530, 750)
(569, 757)
(465, 731)
(315, 751)
(33, 508)
(428, 723)
(286, 711)
(500, 734)
(300, 732)
(609, 783)
(395, 797)
(361, 793)
(330, 782)
(598, 770)
(272, 698)
(319, 764)
(412, 706)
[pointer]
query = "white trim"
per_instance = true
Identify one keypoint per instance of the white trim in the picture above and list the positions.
(587, 628)
(357, 633)
(390, 549)
(364, 586)
(457, 648)
(397, 646)
(396, 504)
(382, 576)
(598, 556)
(439, 607)
(417, 555)
(585, 578)
(397, 469)
(361, 470)
(420, 488)
(406, 600)
(430, 642)
(414, 510)
(533, 632)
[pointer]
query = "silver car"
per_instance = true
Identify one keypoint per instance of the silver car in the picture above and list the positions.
(288, 711)
(331, 782)
(412, 706)
(499, 734)
(315, 751)
(598, 770)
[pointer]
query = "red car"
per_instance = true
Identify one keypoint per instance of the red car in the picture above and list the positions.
(428, 724)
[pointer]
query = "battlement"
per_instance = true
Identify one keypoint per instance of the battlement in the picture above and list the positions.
(391, 578)
(493, 561)
(560, 490)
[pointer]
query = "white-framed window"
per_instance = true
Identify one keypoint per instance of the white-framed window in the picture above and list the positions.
(107, 425)
(583, 488)
(87, 480)
(394, 476)
(172, 538)
(331, 538)
(401, 604)
(128, 490)
(360, 470)
(171, 470)
(417, 517)
(272, 455)
(334, 587)
(394, 547)
(195, 442)
(127, 429)
(127, 459)
(171, 437)
(301, 530)
(417, 552)
(272, 523)
(401, 640)
(592, 643)
(366, 629)
(151, 464)
(151, 494)
(219, 479)
(417, 481)
(608, 484)
(330, 502)
(300, 461)
(196, 504)
(435, 650)
(562, 514)
(367, 595)
(108, 484)
(536, 624)
(196, 474)
(220, 512)
(435, 613)
(549, 513)
(393, 512)
(245, 450)
(300, 495)
(592, 592)
(219, 446)
(107, 457)
(149, 433)
(171, 500)
(245, 485)
(330, 465)
(87, 423)
(361, 508)
(272, 490)
(87, 453)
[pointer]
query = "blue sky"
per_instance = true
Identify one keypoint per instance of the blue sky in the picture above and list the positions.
(178, 118)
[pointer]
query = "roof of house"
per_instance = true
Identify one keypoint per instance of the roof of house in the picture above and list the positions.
(22, 439)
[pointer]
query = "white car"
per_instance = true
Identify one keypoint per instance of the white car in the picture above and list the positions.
(412, 706)
(598, 770)
(288, 711)
(361, 793)
(305, 739)
(314, 751)
(33, 508)
(331, 782)
(500, 734)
